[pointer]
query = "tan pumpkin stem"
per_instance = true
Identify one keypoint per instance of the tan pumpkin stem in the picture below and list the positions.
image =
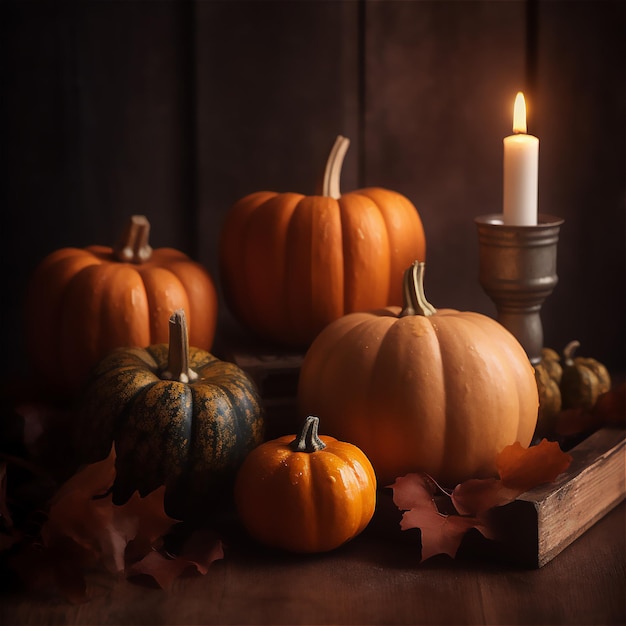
(178, 355)
(133, 246)
(415, 302)
(568, 351)
(308, 440)
(332, 172)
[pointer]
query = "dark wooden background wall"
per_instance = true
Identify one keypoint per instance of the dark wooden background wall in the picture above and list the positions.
(177, 109)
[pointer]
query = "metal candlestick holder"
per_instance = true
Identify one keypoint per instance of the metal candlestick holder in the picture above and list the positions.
(518, 272)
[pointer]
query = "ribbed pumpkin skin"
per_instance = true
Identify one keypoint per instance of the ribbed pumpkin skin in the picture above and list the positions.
(82, 303)
(305, 502)
(550, 401)
(192, 437)
(291, 264)
(442, 394)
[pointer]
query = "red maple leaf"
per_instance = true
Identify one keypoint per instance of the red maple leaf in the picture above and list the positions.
(199, 551)
(441, 533)
(520, 469)
(84, 529)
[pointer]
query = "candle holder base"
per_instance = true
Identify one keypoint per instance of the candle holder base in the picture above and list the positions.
(517, 270)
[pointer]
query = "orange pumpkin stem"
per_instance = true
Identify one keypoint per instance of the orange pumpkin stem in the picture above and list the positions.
(178, 355)
(307, 439)
(415, 302)
(133, 246)
(332, 172)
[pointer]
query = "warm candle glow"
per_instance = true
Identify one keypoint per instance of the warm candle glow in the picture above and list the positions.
(521, 155)
(519, 114)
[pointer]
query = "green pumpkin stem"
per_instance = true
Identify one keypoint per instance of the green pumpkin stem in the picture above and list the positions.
(178, 355)
(133, 246)
(415, 302)
(332, 171)
(308, 440)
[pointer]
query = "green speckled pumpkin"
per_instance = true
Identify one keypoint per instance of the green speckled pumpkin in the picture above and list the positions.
(178, 416)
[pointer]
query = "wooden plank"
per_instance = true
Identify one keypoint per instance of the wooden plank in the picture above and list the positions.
(592, 487)
(541, 523)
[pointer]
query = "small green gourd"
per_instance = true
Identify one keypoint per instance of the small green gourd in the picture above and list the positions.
(583, 380)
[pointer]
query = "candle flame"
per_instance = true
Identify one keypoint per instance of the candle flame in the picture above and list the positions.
(519, 114)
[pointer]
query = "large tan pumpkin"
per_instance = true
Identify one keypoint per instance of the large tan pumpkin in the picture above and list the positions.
(421, 390)
(291, 263)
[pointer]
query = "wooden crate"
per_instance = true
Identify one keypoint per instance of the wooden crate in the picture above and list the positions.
(542, 522)
(275, 373)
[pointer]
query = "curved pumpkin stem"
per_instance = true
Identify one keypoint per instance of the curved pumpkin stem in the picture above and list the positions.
(568, 351)
(332, 172)
(415, 302)
(308, 440)
(178, 355)
(133, 246)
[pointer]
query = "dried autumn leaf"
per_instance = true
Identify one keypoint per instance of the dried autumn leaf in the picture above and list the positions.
(83, 511)
(202, 549)
(95, 479)
(524, 468)
(520, 469)
(441, 533)
(84, 529)
(477, 495)
(161, 569)
(199, 551)
(143, 520)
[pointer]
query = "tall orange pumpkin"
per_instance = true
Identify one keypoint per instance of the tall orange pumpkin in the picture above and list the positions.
(291, 263)
(421, 390)
(81, 303)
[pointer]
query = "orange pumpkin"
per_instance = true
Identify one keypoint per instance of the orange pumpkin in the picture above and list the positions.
(305, 494)
(291, 263)
(421, 390)
(81, 303)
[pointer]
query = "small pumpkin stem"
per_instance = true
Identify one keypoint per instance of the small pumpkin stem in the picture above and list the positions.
(133, 246)
(332, 172)
(308, 440)
(415, 302)
(568, 352)
(178, 355)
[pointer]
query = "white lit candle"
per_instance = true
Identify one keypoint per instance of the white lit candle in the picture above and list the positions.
(521, 169)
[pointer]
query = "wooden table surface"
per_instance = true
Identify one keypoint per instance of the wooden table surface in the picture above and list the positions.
(375, 579)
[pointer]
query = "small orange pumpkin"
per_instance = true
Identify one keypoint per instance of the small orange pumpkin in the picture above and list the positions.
(421, 390)
(81, 303)
(308, 494)
(291, 263)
